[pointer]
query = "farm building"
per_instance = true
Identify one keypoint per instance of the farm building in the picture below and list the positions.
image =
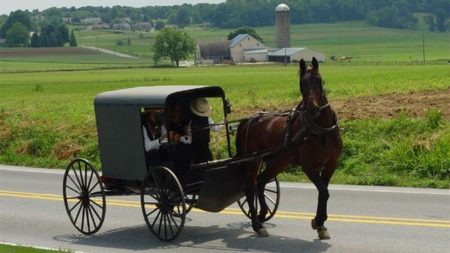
(243, 47)
(243, 42)
(294, 54)
(255, 55)
(213, 52)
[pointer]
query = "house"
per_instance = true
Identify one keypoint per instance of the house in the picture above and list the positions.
(122, 26)
(213, 52)
(294, 54)
(101, 27)
(92, 21)
(147, 26)
(243, 42)
(2, 42)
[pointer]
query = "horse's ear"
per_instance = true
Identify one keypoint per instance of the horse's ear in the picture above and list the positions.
(315, 65)
(302, 65)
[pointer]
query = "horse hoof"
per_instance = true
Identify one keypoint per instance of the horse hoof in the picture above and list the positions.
(262, 232)
(314, 225)
(323, 234)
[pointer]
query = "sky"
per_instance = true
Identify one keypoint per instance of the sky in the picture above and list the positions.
(6, 6)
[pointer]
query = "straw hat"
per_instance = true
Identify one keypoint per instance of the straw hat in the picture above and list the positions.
(200, 107)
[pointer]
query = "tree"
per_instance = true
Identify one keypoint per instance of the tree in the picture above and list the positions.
(35, 40)
(245, 30)
(173, 43)
(429, 19)
(181, 17)
(441, 18)
(64, 33)
(159, 25)
(73, 40)
(16, 17)
(51, 37)
(17, 35)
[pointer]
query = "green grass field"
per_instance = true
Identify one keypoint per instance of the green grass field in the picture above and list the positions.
(47, 117)
(22, 249)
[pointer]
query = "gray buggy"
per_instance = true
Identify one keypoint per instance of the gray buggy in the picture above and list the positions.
(165, 198)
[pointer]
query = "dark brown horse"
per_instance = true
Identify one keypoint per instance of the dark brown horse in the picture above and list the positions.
(308, 137)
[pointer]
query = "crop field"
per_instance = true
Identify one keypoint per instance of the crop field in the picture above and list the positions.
(393, 110)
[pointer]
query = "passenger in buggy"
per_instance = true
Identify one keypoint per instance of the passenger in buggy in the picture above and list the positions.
(180, 138)
(154, 135)
(201, 124)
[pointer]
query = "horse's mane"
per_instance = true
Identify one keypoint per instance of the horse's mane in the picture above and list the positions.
(239, 150)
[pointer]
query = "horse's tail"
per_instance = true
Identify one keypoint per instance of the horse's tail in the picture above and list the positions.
(240, 137)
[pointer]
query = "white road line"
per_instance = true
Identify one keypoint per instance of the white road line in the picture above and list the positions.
(283, 185)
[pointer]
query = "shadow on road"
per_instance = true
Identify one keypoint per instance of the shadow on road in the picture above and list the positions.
(234, 237)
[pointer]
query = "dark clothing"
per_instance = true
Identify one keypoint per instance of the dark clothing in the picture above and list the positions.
(152, 157)
(200, 140)
(180, 152)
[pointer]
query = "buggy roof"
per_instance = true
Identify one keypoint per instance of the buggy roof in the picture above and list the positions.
(155, 96)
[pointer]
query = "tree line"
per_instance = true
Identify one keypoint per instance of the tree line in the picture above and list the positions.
(18, 26)
(253, 13)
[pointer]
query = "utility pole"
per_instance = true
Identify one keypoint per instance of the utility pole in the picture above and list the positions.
(423, 46)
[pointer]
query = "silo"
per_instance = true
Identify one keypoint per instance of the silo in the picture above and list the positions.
(282, 23)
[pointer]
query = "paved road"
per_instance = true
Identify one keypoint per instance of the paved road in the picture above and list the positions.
(361, 219)
(107, 51)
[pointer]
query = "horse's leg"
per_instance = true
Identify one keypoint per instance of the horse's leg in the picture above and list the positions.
(252, 173)
(263, 179)
(321, 214)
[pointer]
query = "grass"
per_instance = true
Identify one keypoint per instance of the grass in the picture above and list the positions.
(47, 116)
(23, 249)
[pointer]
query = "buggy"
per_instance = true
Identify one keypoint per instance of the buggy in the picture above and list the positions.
(165, 196)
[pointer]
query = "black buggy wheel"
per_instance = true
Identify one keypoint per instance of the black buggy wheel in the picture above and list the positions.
(271, 195)
(163, 204)
(84, 196)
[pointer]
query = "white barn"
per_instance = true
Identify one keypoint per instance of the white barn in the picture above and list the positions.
(242, 43)
(295, 54)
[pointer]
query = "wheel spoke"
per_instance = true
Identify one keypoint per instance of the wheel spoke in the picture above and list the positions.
(82, 217)
(170, 224)
(174, 222)
(95, 203)
(272, 191)
(156, 218)
(81, 174)
(243, 203)
(96, 213)
(152, 212)
(73, 189)
(165, 225)
(92, 217)
(74, 197)
(76, 176)
(71, 179)
(160, 223)
(92, 188)
(270, 199)
(78, 214)
(73, 207)
(87, 218)
(90, 178)
(85, 176)
(150, 203)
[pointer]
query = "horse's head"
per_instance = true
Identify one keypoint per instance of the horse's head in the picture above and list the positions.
(311, 86)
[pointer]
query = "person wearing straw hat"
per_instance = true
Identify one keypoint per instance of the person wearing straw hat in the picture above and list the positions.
(200, 122)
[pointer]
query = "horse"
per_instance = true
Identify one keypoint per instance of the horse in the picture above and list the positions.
(308, 137)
